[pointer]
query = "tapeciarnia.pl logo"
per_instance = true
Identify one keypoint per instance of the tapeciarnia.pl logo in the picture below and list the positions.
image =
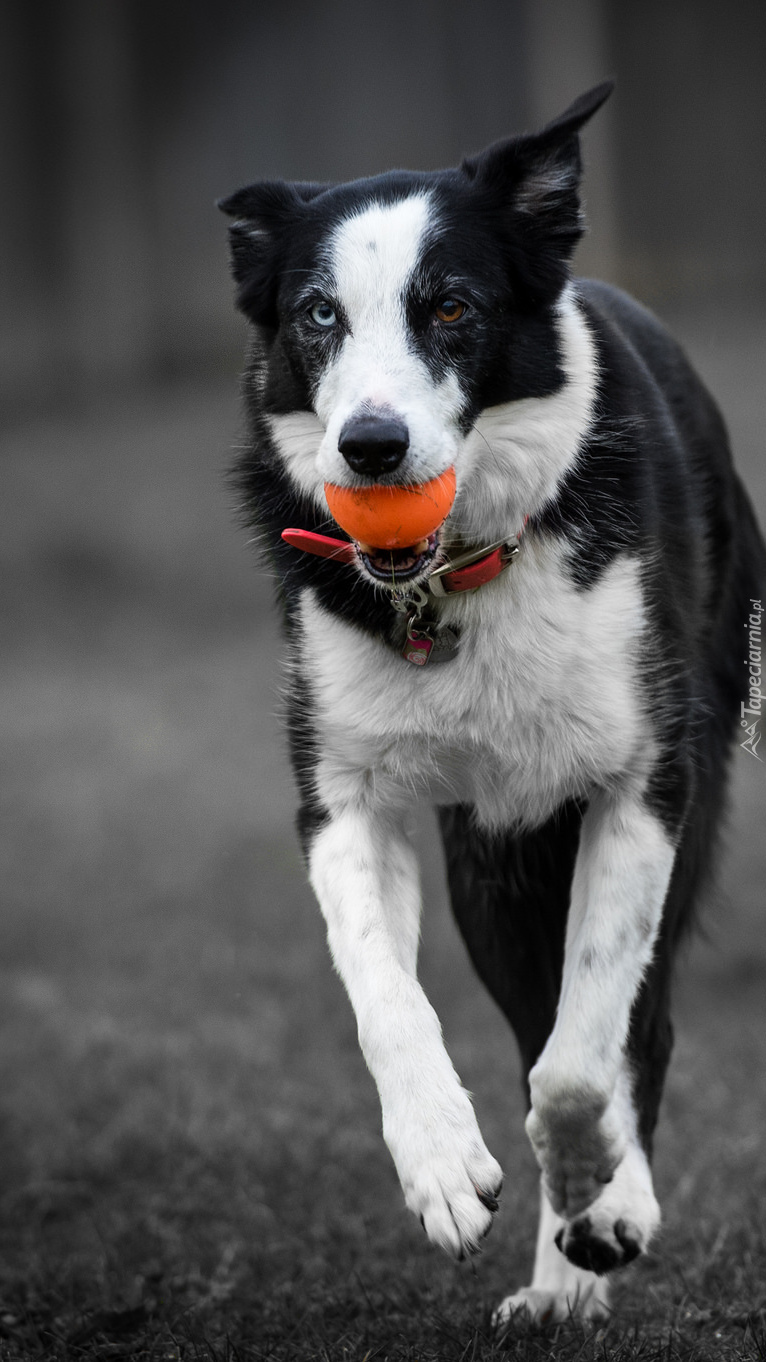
(750, 710)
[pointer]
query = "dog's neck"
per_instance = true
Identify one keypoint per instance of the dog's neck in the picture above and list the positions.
(468, 570)
(465, 571)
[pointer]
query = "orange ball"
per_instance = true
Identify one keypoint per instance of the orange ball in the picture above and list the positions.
(392, 517)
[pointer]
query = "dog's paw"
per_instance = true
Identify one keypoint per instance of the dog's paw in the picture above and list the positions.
(620, 1223)
(456, 1201)
(449, 1178)
(579, 1143)
(552, 1307)
(599, 1248)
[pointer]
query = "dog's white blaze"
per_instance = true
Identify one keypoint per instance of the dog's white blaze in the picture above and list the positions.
(515, 457)
(372, 256)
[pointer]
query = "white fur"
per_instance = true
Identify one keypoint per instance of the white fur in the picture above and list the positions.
(541, 703)
(298, 435)
(365, 877)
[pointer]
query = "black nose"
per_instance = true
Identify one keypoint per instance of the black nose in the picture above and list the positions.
(373, 444)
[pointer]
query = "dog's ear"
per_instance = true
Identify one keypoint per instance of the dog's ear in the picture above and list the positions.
(534, 183)
(263, 214)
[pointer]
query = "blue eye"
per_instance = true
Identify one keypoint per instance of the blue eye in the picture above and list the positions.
(323, 314)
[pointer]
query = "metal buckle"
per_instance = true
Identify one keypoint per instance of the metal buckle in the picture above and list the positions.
(404, 598)
(463, 560)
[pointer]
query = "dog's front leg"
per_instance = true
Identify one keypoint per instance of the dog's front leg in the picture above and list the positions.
(582, 1124)
(365, 876)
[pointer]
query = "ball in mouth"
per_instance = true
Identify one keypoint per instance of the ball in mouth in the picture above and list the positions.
(395, 528)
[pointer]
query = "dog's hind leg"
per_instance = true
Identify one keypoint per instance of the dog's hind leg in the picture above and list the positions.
(559, 1290)
(573, 1259)
(510, 897)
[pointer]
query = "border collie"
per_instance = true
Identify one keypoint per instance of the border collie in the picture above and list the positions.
(580, 617)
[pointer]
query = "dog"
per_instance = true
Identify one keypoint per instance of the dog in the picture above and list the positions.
(558, 667)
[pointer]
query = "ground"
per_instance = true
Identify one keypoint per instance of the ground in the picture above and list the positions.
(191, 1161)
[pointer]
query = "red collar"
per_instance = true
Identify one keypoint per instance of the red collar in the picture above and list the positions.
(465, 572)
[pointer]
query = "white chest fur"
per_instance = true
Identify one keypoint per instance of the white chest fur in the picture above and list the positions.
(541, 703)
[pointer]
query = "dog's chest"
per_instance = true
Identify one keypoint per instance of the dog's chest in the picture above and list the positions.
(541, 702)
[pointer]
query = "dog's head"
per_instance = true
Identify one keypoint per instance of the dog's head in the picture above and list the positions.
(398, 315)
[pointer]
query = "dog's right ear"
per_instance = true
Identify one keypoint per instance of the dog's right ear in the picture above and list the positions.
(263, 213)
(533, 182)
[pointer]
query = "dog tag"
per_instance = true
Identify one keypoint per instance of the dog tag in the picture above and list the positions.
(446, 645)
(421, 647)
(418, 646)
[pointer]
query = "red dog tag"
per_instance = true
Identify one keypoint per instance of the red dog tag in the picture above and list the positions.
(417, 645)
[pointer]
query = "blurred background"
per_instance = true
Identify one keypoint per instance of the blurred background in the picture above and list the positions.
(168, 1011)
(122, 123)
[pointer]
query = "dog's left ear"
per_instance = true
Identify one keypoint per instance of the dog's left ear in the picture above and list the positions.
(534, 182)
(263, 213)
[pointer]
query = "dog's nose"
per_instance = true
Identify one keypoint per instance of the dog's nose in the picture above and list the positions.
(373, 444)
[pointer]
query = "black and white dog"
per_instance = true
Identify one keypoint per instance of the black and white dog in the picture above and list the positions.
(575, 732)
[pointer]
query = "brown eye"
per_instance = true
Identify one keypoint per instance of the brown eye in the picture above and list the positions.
(449, 310)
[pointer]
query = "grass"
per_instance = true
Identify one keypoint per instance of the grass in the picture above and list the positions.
(167, 1191)
(190, 1157)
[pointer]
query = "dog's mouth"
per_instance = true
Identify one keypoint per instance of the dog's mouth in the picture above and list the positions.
(399, 565)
